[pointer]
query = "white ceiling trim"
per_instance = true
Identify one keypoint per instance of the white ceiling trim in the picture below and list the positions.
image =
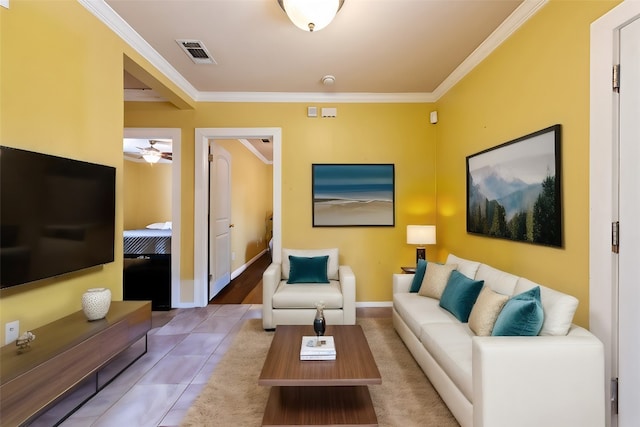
(112, 20)
(345, 97)
(119, 26)
(253, 149)
(526, 10)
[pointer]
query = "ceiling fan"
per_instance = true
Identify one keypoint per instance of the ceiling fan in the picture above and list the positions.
(151, 154)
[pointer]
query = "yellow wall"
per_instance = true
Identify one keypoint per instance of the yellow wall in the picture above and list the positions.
(67, 102)
(147, 194)
(537, 78)
(63, 104)
(362, 133)
(251, 202)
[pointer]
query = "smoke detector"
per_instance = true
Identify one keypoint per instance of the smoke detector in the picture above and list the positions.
(328, 80)
(196, 50)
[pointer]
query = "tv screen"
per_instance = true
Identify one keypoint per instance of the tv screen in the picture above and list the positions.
(57, 215)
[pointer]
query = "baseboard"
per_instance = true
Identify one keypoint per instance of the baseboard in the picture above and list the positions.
(374, 304)
(243, 267)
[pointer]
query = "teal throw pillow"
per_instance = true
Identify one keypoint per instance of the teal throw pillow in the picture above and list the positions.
(522, 315)
(308, 270)
(418, 276)
(460, 294)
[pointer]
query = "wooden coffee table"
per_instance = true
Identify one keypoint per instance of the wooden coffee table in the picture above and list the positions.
(327, 392)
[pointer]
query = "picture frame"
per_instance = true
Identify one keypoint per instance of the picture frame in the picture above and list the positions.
(514, 189)
(353, 195)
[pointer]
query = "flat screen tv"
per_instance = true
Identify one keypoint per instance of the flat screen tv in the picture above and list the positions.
(57, 215)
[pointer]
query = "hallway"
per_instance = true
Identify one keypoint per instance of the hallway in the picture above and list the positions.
(247, 287)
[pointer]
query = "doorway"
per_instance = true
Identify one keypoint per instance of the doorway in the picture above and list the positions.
(174, 134)
(628, 372)
(203, 137)
(609, 304)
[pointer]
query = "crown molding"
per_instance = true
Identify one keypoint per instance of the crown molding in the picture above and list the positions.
(522, 14)
(344, 97)
(109, 17)
(254, 151)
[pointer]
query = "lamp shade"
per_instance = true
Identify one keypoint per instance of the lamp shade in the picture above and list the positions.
(311, 15)
(421, 234)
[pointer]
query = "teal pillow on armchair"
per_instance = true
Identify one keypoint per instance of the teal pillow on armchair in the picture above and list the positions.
(308, 269)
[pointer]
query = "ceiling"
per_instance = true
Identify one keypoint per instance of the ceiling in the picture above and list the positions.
(404, 49)
(378, 50)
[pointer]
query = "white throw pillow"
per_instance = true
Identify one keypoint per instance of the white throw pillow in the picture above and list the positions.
(485, 311)
(160, 226)
(499, 281)
(332, 263)
(435, 279)
(465, 266)
(559, 308)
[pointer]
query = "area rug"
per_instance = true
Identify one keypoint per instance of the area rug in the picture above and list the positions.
(232, 397)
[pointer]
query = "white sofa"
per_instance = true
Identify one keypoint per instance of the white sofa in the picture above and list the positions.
(295, 304)
(505, 381)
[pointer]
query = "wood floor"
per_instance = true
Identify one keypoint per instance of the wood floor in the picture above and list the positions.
(247, 287)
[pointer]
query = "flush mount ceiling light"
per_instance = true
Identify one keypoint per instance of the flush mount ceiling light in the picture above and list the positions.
(311, 15)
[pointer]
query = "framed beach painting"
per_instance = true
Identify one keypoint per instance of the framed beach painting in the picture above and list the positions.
(350, 195)
(514, 189)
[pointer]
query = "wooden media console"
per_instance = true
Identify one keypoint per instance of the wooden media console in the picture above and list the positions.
(70, 356)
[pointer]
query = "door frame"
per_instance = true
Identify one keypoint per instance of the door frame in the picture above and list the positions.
(175, 134)
(201, 198)
(603, 199)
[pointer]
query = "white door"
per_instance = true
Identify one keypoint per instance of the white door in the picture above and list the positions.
(219, 220)
(629, 203)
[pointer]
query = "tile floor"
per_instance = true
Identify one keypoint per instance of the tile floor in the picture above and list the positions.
(184, 347)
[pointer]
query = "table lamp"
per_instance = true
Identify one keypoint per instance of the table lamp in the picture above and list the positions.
(421, 235)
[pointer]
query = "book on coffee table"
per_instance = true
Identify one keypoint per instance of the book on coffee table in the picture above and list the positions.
(314, 348)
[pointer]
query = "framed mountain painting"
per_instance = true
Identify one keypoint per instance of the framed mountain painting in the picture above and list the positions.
(514, 189)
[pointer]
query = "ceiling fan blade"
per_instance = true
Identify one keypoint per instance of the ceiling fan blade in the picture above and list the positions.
(133, 156)
(148, 149)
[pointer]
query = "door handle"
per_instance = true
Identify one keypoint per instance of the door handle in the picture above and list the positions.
(231, 225)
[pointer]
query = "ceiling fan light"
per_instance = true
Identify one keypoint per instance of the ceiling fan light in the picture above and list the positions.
(311, 15)
(151, 156)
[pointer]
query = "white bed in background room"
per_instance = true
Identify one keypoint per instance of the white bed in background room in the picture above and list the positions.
(152, 240)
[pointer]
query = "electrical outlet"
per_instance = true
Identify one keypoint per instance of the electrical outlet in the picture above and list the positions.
(11, 331)
(233, 256)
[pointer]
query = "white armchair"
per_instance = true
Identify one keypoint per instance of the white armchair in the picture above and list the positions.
(295, 303)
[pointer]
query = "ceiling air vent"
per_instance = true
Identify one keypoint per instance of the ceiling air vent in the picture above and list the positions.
(196, 50)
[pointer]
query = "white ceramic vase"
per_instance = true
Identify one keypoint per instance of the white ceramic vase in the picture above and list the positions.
(96, 302)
